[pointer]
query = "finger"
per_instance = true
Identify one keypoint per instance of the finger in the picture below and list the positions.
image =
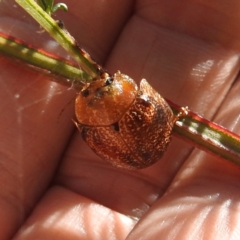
(215, 22)
(67, 215)
(32, 138)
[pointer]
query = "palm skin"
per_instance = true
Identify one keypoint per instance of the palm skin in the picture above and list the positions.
(54, 187)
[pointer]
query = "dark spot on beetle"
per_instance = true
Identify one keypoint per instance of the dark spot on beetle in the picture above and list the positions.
(99, 93)
(161, 115)
(108, 81)
(85, 93)
(145, 103)
(115, 127)
(145, 156)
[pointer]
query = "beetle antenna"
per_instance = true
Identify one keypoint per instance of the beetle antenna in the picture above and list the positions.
(60, 114)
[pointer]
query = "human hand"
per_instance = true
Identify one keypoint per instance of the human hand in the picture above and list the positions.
(54, 187)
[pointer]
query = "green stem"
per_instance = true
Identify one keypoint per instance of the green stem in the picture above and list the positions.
(65, 72)
(61, 36)
(207, 135)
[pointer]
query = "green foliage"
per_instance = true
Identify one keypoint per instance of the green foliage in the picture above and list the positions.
(49, 7)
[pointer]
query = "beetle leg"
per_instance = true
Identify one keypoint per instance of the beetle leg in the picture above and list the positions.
(182, 113)
(79, 126)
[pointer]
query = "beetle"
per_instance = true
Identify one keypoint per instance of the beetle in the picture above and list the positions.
(127, 125)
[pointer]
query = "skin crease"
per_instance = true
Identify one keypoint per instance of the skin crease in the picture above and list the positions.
(54, 187)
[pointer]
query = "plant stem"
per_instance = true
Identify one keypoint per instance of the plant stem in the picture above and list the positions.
(65, 72)
(207, 135)
(62, 37)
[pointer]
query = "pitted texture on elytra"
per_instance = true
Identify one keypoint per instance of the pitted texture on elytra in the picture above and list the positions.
(107, 143)
(140, 136)
(145, 130)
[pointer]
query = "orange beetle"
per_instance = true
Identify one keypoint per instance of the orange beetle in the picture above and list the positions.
(128, 126)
